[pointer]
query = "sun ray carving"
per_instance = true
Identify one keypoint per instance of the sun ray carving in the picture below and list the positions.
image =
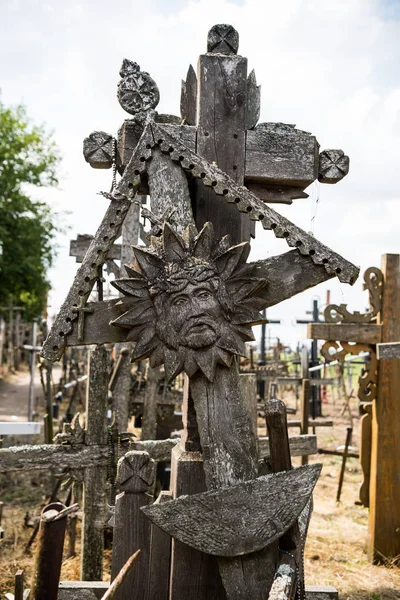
(191, 301)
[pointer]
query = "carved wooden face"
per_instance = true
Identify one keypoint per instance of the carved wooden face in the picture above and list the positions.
(195, 314)
(191, 302)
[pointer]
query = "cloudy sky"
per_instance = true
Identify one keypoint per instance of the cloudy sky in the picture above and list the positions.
(331, 67)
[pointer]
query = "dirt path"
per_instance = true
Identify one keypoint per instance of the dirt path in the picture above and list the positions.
(14, 391)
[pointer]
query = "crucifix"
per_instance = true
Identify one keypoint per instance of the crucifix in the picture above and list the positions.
(190, 299)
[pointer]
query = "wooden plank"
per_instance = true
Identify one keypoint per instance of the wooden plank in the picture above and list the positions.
(279, 153)
(221, 124)
(311, 423)
(149, 421)
(384, 513)
(160, 558)
(80, 246)
(304, 412)
(190, 569)
(132, 529)
(82, 590)
(345, 332)
(95, 478)
(388, 350)
(96, 325)
(365, 452)
(94, 590)
(53, 456)
(248, 382)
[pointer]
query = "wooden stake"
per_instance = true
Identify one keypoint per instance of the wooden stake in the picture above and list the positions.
(384, 515)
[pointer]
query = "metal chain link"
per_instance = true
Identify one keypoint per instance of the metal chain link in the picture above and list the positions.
(114, 164)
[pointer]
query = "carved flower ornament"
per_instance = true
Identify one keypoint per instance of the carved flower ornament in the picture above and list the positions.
(191, 301)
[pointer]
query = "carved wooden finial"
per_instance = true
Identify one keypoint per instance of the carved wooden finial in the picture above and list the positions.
(98, 150)
(223, 39)
(137, 91)
(333, 166)
(135, 472)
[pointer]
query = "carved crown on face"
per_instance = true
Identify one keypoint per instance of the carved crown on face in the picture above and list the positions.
(176, 265)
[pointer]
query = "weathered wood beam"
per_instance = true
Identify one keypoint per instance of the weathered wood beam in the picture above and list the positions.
(345, 332)
(384, 505)
(94, 590)
(79, 456)
(388, 350)
(80, 246)
(300, 274)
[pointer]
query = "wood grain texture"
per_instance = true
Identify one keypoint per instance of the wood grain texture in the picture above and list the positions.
(384, 513)
(239, 519)
(95, 478)
(98, 150)
(160, 558)
(388, 350)
(149, 423)
(346, 332)
(193, 573)
(279, 153)
(248, 382)
(253, 101)
(53, 456)
(169, 192)
(300, 274)
(221, 125)
(82, 590)
(229, 448)
(365, 452)
(70, 590)
(189, 97)
(131, 533)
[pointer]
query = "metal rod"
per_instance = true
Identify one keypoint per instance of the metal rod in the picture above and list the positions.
(345, 454)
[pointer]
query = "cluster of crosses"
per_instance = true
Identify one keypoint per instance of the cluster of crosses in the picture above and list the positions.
(189, 299)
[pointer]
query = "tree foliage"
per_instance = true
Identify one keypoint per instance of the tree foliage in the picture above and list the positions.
(28, 159)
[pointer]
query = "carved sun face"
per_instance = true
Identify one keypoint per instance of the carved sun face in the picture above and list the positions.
(190, 302)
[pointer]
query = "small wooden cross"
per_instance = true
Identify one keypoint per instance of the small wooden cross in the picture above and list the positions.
(80, 311)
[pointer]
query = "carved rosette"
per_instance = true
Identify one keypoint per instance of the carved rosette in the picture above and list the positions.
(137, 91)
(191, 302)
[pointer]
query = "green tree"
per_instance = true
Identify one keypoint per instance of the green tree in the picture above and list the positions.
(28, 159)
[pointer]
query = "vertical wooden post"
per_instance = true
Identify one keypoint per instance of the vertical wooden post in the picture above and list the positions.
(304, 412)
(160, 558)
(192, 573)
(95, 478)
(132, 528)
(149, 421)
(120, 396)
(365, 452)
(384, 514)
(221, 136)
(249, 390)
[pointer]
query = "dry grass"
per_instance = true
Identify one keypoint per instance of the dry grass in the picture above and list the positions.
(336, 547)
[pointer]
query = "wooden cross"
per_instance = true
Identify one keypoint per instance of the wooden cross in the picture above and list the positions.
(190, 298)
(81, 311)
(379, 389)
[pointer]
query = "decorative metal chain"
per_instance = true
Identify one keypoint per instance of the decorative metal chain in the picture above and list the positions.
(114, 164)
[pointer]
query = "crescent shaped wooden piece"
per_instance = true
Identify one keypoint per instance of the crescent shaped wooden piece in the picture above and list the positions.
(240, 519)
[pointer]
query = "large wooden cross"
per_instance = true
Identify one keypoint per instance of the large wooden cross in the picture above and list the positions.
(191, 297)
(379, 390)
